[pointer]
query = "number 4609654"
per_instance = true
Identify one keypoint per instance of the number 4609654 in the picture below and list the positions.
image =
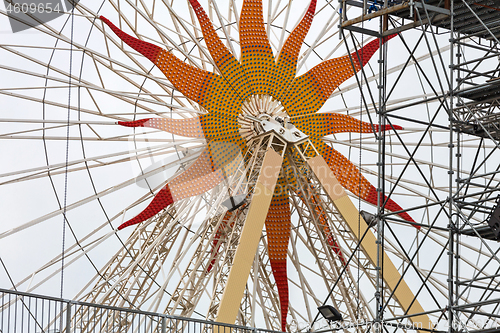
(32, 8)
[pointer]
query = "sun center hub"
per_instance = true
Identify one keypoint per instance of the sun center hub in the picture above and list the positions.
(261, 114)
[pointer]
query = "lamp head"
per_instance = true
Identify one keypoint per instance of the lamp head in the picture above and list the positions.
(330, 313)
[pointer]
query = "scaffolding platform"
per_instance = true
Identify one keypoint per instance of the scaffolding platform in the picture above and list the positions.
(479, 18)
(482, 231)
(486, 92)
(491, 229)
(487, 126)
(480, 116)
(465, 16)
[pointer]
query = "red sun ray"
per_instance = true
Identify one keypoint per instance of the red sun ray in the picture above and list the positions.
(328, 234)
(161, 200)
(278, 227)
(330, 238)
(191, 81)
(220, 238)
(214, 165)
(190, 127)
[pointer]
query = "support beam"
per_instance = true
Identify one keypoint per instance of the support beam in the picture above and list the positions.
(350, 214)
(413, 25)
(376, 14)
(363, 31)
(249, 239)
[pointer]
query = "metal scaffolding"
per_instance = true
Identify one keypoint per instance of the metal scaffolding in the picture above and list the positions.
(467, 92)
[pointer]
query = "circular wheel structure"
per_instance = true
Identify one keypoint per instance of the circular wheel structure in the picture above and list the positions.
(209, 160)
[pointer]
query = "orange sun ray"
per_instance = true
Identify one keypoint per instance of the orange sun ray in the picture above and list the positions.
(227, 64)
(317, 85)
(174, 69)
(323, 124)
(286, 65)
(209, 90)
(203, 166)
(257, 56)
(331, 73)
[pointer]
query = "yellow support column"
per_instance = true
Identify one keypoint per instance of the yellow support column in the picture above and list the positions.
(249, 238)
(351, 215)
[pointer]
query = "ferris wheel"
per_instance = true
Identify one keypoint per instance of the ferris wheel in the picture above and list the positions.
(211, 159)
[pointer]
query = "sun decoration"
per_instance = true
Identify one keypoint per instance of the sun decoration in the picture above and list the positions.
(258, 83)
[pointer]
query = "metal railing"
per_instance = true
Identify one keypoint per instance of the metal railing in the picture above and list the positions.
(29, 313)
